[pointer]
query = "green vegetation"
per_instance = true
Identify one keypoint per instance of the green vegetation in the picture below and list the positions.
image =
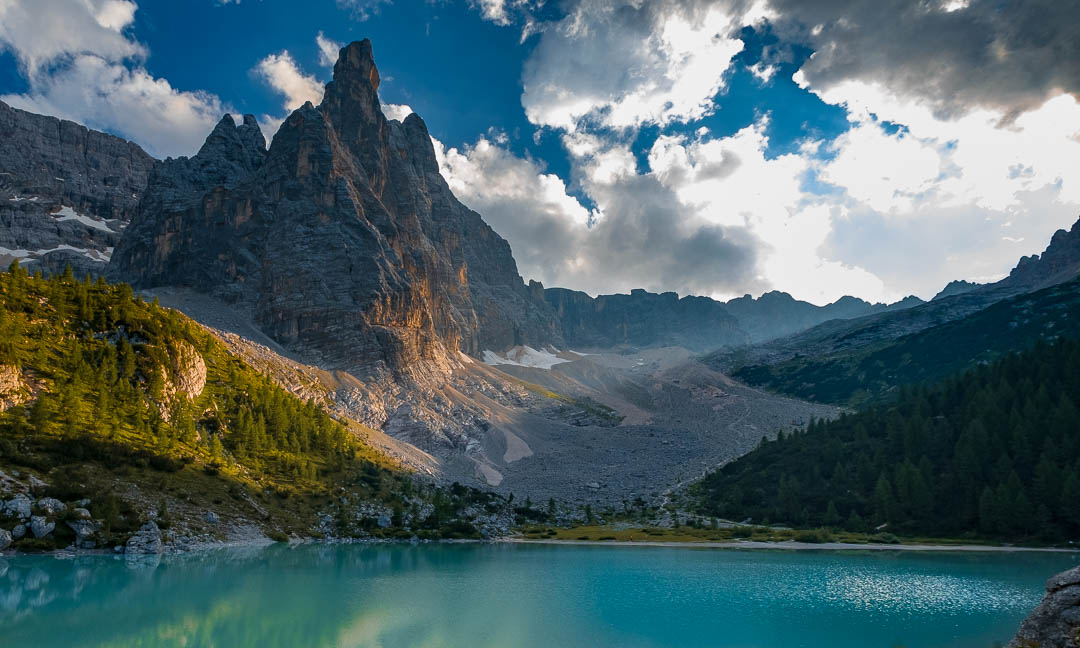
(97, 382)
(993, 452)
(104, 368)
(872, 373)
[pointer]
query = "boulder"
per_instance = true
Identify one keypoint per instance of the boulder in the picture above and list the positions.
(211, 517)
(1055, 623)
(40, 526)
(147, 540)
(50, 505)
(84, 532)
(19, 506)
(5, 539)
(19, 532)
(82, 513)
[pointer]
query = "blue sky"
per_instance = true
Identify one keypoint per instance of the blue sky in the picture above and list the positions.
(708, 147)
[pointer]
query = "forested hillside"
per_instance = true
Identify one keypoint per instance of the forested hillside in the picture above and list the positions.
(991, 452)
(102, 390)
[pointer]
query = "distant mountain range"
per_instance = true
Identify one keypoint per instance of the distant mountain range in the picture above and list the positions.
(851, 361)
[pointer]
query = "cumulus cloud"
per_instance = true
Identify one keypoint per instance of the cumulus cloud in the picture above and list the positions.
(396, 111)
(328, 50)
(621, 65)
(111, 97)
(282, 73)
(81, 64)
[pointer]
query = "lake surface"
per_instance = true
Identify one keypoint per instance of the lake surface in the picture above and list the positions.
(506, 595)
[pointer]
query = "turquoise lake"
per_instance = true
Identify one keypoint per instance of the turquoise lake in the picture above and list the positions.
(507, 595)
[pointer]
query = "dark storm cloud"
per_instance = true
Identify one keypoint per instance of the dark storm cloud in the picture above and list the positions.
(1008, 56)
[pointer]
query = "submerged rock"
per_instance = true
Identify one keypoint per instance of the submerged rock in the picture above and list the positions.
(1055, 623)
(147, 540)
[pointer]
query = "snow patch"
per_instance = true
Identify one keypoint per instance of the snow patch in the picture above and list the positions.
(69, 214)
(89, 253)
(525, 356)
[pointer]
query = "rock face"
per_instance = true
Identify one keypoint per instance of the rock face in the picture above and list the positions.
(342, 240)
(1055, 623)
(644, 319)
(66, 192)
(1059, 263)
(13, 389)
(697, 323)
(147, 540)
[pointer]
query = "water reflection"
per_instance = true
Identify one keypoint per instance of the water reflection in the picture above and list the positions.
(501, 595)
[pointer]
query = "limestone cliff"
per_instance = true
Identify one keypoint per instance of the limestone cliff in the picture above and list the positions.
(342, 240)
(66, 192)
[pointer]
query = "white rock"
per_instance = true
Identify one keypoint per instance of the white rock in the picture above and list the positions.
(50, 505)
(40, 526)
(19, 506)
(147, 540)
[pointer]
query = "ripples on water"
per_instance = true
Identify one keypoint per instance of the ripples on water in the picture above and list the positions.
(522, 596)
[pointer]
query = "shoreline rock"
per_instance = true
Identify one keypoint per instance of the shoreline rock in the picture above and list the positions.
(1055, 623)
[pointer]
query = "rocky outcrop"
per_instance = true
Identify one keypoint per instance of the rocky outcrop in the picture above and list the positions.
(957, 287)
(13, 390)
(1055, 623)
(146, 541)
(342, 241)
(1059, 263)
(18, 507)
(188, 370)
(66, 192)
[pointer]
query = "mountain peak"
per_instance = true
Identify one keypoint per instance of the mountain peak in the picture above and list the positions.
(357, 61)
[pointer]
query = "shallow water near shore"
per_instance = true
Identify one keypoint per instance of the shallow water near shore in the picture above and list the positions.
(525, 596)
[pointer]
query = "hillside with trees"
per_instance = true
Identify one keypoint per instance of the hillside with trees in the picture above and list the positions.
(993, 452)
(100, 390)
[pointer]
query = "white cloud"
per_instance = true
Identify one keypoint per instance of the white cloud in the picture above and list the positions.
(396, 111)
(282, 73)
(42, 31)
(81, 64)
(626, 64)
(111, 97)
(328, 50)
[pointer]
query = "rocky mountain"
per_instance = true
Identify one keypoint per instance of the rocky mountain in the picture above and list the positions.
(840, 347)
(776, 314)
(956, 287)
(342, 241)
(66, 192)
(1060, 262)
(643, 319)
